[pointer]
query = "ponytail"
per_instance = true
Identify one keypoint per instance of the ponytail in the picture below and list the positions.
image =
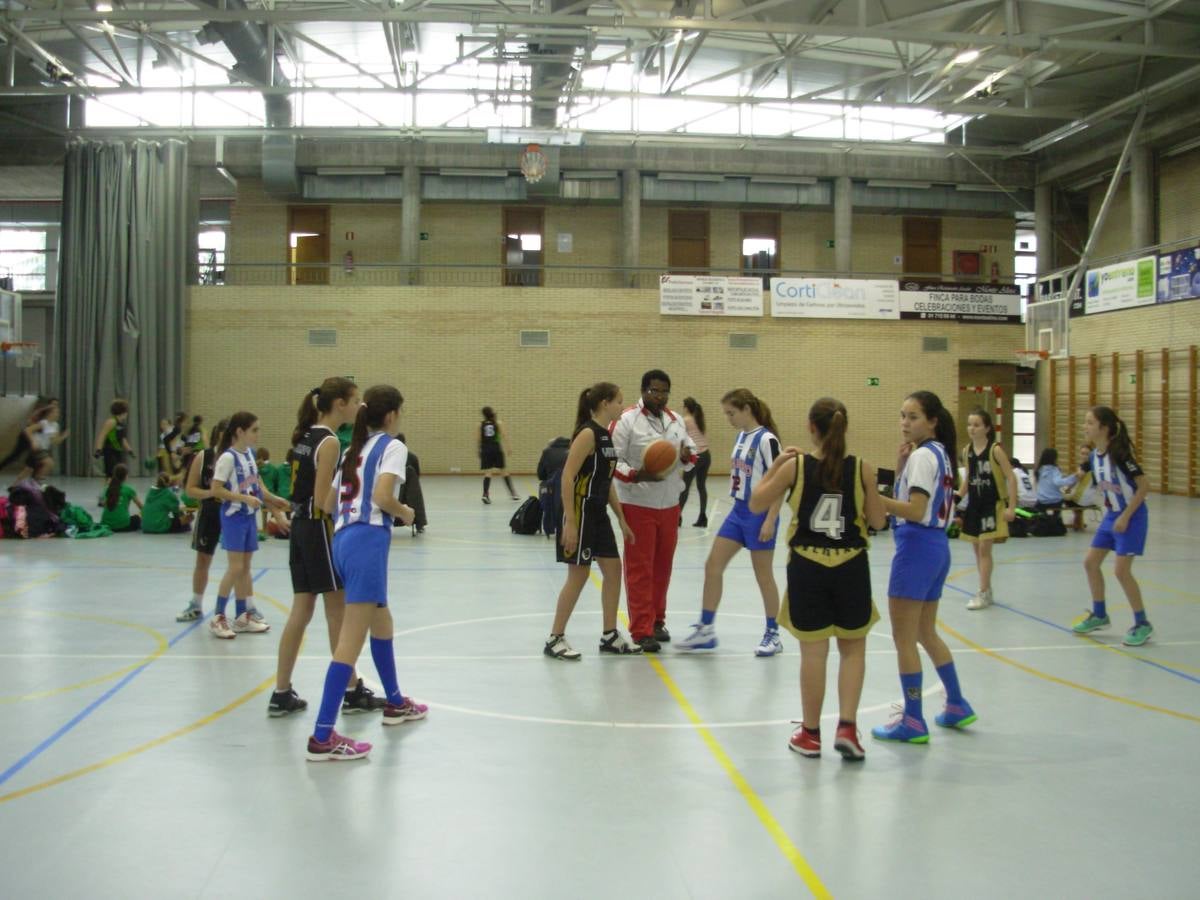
(1120, 445)
(113, 492)
(696, 411)
(828, 416)
(318, 402)
(217, 433)
(590, 400)
(238, 421)
(378, 402)
(744, 399)
(944, 432)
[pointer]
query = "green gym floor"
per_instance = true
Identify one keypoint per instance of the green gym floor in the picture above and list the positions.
(140, 761)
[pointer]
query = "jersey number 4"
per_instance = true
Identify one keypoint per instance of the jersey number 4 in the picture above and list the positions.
(827, 517)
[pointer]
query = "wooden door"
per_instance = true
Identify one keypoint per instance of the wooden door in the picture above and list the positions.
(523, 253)
(687, 246)
(308, 245)
(922, 247)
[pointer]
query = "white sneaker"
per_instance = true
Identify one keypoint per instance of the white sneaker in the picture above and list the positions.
(558, 648)
(703, 639)
(980, 600)
(244, 624)
(617, 642)
(219, 626)
(770, 643)
(255, 615)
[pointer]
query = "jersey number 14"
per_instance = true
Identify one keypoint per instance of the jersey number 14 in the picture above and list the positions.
(827, 517)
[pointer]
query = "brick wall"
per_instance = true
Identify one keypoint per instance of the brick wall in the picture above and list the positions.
(452, 350)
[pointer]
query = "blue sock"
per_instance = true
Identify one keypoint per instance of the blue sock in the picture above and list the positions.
(239, 605)
(950, 682)
(1139, 617)
(222, 602)
(385, 665)
(337, 679)
(772, 625)
(708, 616)
(910, 685)
(1099, 610)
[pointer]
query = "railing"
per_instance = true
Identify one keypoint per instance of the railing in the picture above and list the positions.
(480, 275)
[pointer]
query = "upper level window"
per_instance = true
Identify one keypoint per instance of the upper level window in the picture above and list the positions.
(23, 255)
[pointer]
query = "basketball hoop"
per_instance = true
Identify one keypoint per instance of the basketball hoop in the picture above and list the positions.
(533, 163)
(1029, 359)
(23, 352)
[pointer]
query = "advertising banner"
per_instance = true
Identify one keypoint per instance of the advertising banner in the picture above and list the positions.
(1121, 285)
(834, 298)
(709, 295)
(1179, 275)
(995, 304)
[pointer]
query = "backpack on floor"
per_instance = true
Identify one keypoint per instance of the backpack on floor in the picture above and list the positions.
(1047, 525)
(528, 517)
(548, 496)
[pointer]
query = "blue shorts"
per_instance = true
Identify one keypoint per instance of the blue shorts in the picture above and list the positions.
(921, 563)
(1132, 542)
(360, 555)
(743, 526)
(239, 533)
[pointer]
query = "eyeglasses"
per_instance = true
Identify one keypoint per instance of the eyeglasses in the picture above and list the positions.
(659, 392)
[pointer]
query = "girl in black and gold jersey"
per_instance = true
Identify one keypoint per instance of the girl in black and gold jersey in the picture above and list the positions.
(833, 499)
(314, 458)
(586, 533)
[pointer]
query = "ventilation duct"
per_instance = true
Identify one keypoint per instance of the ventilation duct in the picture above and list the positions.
(256, 64)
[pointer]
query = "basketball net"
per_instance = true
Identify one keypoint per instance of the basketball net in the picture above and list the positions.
(533, 163)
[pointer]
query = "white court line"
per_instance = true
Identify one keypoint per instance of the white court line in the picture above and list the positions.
(607, 658)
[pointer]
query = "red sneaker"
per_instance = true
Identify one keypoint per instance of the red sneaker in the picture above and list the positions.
(804, 743)
(847, 744)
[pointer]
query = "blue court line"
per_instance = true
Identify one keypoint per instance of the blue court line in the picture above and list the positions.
(1057, 627)
(96, 704)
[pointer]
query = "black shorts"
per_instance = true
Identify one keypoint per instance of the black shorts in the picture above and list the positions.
(310, 556)
(828, 601)
(206, 536)
(112, 458)
(981, 523)
(491, 458)
(596, 539)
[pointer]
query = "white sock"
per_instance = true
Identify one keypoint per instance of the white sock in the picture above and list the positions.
(197, 600)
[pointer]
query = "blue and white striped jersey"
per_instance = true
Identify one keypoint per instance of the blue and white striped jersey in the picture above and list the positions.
(753, 453)
(929, 470)
(1115, 480)
(381, 455)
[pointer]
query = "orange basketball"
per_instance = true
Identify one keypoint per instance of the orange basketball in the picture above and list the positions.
(659, 457)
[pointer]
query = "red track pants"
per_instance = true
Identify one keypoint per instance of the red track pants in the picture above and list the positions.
(648, 565)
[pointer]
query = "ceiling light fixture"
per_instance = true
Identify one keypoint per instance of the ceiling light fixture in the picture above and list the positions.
(964, 58)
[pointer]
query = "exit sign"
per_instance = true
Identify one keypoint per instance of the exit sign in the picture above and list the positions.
(873, 381)
(829, 244)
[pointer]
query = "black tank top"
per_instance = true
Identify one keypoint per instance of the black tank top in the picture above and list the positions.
(827, 527)
(596, 474)
(304, 471)
(208, 463)
(982, 488)
(489, 433)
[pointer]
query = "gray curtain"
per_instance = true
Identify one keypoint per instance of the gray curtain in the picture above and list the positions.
(119, 318)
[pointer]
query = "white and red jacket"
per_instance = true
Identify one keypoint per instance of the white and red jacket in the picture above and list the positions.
(632, 433)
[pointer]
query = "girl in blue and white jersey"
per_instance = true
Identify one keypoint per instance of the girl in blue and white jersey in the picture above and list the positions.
(1124, 486)
(364, 501)
(922, 509)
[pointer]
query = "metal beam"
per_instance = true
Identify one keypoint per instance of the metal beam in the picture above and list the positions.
(1098, 225)
(618, 24)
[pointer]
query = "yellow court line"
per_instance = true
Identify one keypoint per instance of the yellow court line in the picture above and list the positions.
(99, 679)
(790, 851)
(141, 748)
(29, 586)
(1037, 673)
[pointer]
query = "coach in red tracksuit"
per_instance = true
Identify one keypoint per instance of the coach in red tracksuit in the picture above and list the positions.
(651, 506)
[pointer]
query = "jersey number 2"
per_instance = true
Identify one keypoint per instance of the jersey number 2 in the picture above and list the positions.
(827, 517)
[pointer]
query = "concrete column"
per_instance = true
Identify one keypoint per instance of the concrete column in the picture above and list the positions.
(1141, 197)
(410, 223)
(631, 223)
(1043, 227)
(843, 230)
